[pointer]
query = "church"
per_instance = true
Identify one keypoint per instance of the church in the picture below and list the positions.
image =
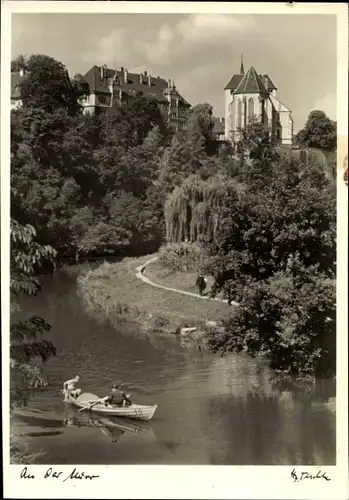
(249, 95)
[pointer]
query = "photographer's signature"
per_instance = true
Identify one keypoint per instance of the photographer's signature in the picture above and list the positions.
(301, 476)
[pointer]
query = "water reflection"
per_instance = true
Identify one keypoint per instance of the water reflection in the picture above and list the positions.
(211, 410)
(113, 427)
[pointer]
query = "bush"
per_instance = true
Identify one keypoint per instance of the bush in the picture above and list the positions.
(288, 319)
(181, 257)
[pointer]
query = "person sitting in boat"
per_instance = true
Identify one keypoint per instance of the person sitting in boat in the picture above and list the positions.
(117, 397)
(69, 387)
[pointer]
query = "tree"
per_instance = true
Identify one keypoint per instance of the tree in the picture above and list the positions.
(274, 249)
(200, 128)
(193, 209)
(201, 119)
(25, 349)
(47, 85)
(256, 153)
(135, 120)
(318, 132)
(20, 62)
(288, 318)
(183, 158)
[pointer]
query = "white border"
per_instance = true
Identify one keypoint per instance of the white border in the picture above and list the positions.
(184, 481)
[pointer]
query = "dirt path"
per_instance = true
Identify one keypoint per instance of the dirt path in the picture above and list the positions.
(141, 276)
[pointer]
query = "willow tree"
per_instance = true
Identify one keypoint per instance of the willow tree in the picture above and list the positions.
(195, 208)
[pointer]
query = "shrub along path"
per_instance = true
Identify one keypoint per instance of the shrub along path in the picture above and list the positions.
(140, 275)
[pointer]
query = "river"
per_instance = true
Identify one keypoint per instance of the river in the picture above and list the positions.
(211, 410)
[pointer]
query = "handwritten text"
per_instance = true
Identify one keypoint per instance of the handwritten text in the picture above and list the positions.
(305, 475)
(57, 474)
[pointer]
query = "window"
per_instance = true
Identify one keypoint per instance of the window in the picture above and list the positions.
(239, 106)
(250, 108)
(103, 99)
(264, 117)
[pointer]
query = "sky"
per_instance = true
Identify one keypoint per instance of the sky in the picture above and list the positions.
(200, 52)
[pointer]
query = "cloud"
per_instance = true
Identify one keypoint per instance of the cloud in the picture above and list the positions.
(111, 49)
(213, 29)
(167, 43)
(122, 47)
(158, 50)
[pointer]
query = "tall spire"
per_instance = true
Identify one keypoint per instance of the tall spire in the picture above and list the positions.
(242, 71)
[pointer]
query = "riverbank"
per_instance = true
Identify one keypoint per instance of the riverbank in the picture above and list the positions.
(114, 292)
(185, 281)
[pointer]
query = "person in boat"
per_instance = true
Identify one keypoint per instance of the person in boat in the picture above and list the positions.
(69, 387)
(117, 397)
(201, 283)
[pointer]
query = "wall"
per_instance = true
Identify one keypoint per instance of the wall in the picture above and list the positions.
(227, 114)
(89, 103)
(16, 103)
(286, 121)
(286, 127)
(232, 107)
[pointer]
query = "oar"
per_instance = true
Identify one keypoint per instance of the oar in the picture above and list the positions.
(91, 406)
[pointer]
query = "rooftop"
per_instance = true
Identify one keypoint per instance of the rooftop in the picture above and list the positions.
(236, 79)
(218, 125)
(157, 88)
(251, 83)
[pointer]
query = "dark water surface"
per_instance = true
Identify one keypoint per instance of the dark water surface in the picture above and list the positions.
(211, 410)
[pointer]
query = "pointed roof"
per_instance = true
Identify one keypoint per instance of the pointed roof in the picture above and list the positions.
(251, 83)
(242, 71)
(234, 82)
(269, 85)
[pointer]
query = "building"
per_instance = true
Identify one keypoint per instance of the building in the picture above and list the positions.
(218, 130)
(110, 87)
(17, 78)
(249, 95)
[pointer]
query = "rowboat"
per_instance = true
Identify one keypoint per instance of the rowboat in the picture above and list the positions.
(86, 400)
(114, 427)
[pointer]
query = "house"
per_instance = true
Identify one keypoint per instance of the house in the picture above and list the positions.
(17, 78)
(110, 87)
(218, 130)
(249, 95)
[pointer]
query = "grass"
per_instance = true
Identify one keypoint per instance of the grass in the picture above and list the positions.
(180, 280)
(112, 291)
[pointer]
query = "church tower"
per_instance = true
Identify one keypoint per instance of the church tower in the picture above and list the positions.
(247, 96)
(228, 90)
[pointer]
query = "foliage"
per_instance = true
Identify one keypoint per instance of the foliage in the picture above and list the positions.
(47, 85)
(25, 349)
(200, 128)
(318, 132)
(87, 183)
(288, 319)
(183, 256)
(194, 209)
(201, 119)
(275, 253)
(121, 183)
